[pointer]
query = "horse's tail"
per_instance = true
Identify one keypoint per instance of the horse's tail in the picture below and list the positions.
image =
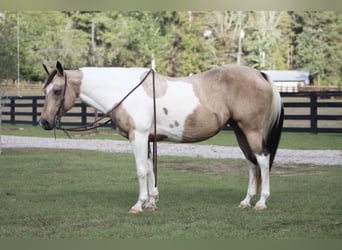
(274, 125)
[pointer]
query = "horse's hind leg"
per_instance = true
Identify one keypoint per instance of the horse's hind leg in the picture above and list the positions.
(251, 162)
(263, 162)
(252, 185)
(251, 144)
(262, 157)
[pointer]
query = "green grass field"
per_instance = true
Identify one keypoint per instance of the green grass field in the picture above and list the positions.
(73, 194)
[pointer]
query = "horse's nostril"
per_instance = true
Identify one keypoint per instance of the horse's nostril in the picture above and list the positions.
(45, 124)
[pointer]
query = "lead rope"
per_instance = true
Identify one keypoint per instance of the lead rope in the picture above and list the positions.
(154, 156)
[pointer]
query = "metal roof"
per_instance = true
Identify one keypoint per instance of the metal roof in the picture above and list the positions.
(289, 76)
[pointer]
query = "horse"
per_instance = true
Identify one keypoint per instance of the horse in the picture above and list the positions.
(187, 109)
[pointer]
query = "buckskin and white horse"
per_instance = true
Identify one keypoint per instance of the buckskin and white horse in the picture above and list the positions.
(188, 109)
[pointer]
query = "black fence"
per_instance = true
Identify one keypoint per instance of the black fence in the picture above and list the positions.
(313, 112)
(319, 112)
(27, 110)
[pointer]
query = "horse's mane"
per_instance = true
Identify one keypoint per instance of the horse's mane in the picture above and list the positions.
(50, 78)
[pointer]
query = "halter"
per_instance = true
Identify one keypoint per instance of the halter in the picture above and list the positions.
(61, 105)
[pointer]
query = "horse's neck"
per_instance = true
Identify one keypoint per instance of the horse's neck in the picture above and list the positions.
(74, 79)
(103, 88)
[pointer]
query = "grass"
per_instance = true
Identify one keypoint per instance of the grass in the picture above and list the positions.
(73, 194)
(224, 138)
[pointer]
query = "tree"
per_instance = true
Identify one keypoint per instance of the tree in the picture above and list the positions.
(226, 27)
(8, 45)
(263, 37)
(40, 35)
(318, 44)
(188, 54)
(144, 37)
(181, 42)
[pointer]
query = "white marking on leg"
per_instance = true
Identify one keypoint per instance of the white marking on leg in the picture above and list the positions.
(152, 190)
(252, 185)
(139, 145)
(263, 161)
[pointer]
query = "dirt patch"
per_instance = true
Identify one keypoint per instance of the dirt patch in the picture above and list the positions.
(235, 167)
(13, 129)
(290, 170)
(204, 166)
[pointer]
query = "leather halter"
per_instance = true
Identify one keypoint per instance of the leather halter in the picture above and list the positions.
(62, 104)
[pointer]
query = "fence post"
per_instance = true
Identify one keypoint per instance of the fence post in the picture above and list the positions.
(313, 113)
(0, 118)
(34, 111)
(83, 113)
(12, 111)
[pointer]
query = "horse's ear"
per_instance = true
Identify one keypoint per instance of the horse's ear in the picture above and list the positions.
(59, 68)
(48, 70)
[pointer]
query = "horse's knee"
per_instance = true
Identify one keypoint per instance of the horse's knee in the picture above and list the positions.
(141, 171)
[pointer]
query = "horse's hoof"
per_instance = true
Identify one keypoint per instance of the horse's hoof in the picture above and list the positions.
(135, 211)
(260, 207)
(150, 208)
(244, 205)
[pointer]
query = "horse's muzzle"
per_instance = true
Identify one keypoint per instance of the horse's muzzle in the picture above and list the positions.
(45, 124)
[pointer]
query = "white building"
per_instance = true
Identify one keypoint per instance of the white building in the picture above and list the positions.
(289, 80)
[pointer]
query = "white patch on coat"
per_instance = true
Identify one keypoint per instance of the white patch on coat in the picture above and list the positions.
(180, 101)
(102, 88)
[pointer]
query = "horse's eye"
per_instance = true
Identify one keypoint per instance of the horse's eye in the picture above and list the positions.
(57, 91)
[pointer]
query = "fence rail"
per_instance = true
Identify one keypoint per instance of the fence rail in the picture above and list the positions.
(312, 112)
(321, 110)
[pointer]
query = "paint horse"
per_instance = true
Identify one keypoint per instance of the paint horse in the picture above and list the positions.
(188, 109)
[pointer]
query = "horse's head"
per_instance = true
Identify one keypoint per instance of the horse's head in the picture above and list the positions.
(59, 96)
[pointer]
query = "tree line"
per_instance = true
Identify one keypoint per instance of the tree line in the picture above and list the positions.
(180, 42)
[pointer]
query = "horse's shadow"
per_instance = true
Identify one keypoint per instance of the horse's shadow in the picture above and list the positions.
(123, 199)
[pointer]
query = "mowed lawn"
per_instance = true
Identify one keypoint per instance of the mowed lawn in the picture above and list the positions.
(86, 195)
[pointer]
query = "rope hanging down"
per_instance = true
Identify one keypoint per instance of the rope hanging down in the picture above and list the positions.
(92, 125)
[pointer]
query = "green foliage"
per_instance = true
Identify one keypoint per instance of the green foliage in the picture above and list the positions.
(318, 44)
(180, 42)
(40, 40)
(267, 41)
(8, 46)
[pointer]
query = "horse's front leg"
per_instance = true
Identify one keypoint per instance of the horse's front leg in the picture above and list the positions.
(152, 189)
(140, 148)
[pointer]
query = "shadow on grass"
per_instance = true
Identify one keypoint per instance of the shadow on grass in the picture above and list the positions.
(120, 200)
